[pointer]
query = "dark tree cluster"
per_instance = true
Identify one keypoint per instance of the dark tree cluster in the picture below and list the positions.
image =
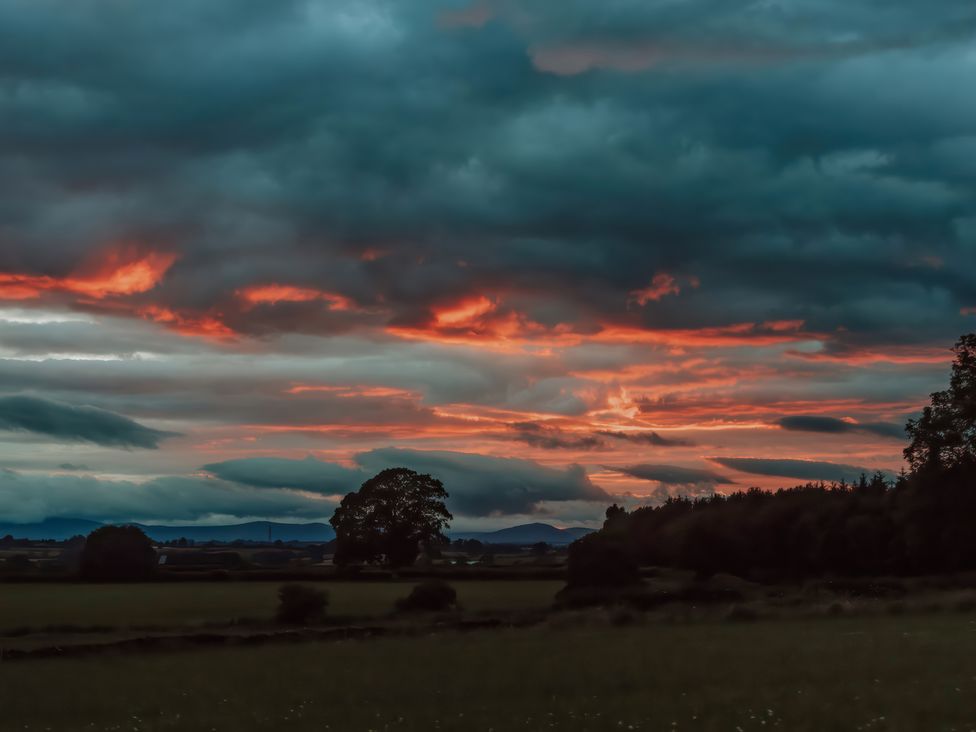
(118, 554)
(390, 519)
(922, 523)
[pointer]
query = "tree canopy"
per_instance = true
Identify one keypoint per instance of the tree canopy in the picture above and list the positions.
(118, 553)
(390, 518)
(944, 436)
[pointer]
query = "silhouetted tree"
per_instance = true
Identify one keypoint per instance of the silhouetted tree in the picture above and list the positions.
(389, 517)
(540, 549)
(944, 437)
(616, 517)
(468, 546)
(118, 554)
(599, 560)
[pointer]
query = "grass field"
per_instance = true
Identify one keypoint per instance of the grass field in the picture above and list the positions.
(193, 603)
(887, 673)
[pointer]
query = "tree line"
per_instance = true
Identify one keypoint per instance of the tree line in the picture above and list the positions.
(922, 522)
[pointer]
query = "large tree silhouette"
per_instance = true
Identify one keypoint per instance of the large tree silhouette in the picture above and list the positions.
(944, 436)
(118, 554)
(389, 518)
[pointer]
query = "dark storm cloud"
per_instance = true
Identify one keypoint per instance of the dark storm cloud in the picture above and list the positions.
(562, 167)
(307, 475)
(802, 469)
(831, 425)
(553, 438)
(671, 474)
(482, 485)
(645, 438)
(76, 423)
(547, 437)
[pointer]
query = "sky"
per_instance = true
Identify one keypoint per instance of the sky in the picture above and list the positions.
(557, 253)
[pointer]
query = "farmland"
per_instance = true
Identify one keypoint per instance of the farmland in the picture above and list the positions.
(831, 673)
(195, 603)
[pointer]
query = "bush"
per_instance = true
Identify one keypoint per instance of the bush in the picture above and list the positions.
(301, 604)
(18, 563)
(431, 596)
(118, 554)
(598, 560)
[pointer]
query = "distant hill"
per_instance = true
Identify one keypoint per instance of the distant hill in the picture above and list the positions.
(58, 529)
(253, 531)
(526, 534)
(64, 528)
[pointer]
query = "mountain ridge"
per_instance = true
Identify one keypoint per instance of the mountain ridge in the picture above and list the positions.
(61, 528)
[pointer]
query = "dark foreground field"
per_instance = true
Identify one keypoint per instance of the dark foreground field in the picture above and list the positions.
(877, 673)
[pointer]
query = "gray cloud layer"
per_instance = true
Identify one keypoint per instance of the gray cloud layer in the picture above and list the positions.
(26, 498)
(75, 423)
(307, 475)
(831, 425)
(481, 485)
(802, 469)
(672, 474)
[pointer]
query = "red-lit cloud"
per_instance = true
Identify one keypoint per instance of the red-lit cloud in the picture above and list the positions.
(661, 285)
(272, 294)
(119, 272)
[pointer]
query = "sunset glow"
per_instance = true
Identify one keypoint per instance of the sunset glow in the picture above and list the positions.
(478, 235)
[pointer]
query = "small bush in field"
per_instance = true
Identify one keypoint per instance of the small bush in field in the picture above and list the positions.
(300, 604)
(598, 560)
(431, 596)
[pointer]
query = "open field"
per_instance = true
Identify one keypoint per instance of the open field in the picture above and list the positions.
(887, 673)
(195, 603)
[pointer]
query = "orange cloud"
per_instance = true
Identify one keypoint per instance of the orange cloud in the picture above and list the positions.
(661, 286)
(123, 271)
(465, 313)
(868, 356)
(207, 326)
(354, 392)
(735, 335)
(273, 294)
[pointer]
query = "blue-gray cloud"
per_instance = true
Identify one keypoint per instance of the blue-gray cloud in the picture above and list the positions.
(34, 497)
(674, 475)
(482, 485)
(307, 475)
(831, 425)
(76, 423)
(801, 469)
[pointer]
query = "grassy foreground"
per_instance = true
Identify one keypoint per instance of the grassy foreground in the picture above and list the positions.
(194, 603)
(887, 673)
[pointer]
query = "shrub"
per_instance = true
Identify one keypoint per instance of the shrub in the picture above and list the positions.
(118, 554)
(597, 560)
(18, 563)
(301, 604)
(431, 596)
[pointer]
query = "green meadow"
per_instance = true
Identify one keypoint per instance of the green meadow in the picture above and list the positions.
(834, 673)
